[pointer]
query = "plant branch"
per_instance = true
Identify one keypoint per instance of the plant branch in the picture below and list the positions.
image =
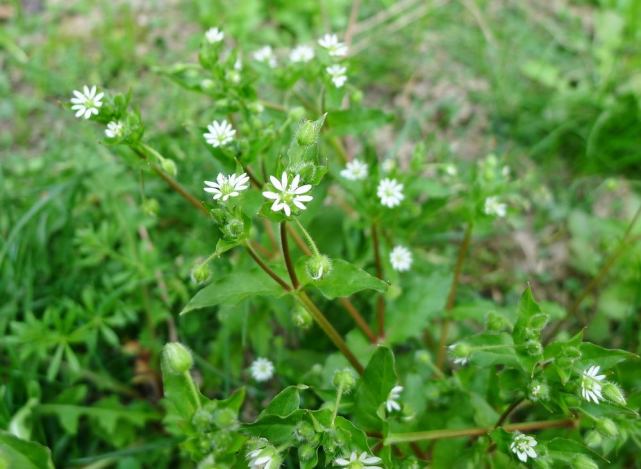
(288, 260)
(506, 414)
(358, 319)
(266, 268)
(394, 438)
(451, 297)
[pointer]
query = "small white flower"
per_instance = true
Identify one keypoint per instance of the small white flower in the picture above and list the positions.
(591, 384)
(338, 75)
(450, 170)
(390, 191)
(334, 47)
(288, 194)
(262, 369)
(494, 207)
(460, 353)
(523, 446)
(355, 170)
(391, 404)
(87, 102)
(238, 64)
(362, 461)
(214, 35)
(220, 133)
(265, 456)
(114, 129)
(265, 55)
(539, 391)
(227, 186)
(401, 258)
(301, 54)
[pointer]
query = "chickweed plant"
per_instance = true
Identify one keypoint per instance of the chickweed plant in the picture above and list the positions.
(351, 341)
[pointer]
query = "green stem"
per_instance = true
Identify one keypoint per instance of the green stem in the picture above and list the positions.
(339, 394)
(380, 300)
(291, 270)
(394, 438)
(308, 237)
(192, 388)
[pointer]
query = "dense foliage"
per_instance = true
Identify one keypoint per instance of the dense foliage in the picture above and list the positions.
(389, 234)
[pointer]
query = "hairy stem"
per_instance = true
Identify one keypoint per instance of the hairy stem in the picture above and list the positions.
(288, 260)
(451, 297)
(394, 438)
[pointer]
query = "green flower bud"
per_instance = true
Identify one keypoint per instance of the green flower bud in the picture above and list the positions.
(495, 322)
(607, 427)
(207, 84)
(304, 431)
(302, 318)
(581, 461)
(613, 392)
(169, 167)
(234, 228)
(202, 420)
(423, 357)
(221, 441)
(538, 321)
(225, 418)
(256, 107)
(572, 353)
(151, 207)
(201, 273)
(393, 291)
(564, 362)
(533, 348)
(345, 379)
(306, 452)
(460, 351)
(233, 76)
(539, 391)
(593, 439)
(357, 96)
(307, 134)
(296, 113)
(177, 358)
(318, 266)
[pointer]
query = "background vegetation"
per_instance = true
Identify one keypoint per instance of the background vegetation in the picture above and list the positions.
(95, 258)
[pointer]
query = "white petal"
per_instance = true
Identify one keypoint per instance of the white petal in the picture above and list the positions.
(271, 195)
(276, 183)
(302, 189)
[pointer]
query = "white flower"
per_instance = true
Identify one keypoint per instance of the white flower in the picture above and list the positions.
(523, 446)
(334, 47)
(227, 186)
(591, 384)
(114, 129)
(355, 170)
(494, 207)
(262, 369)
(390, 191)
(238, 64)
(302, 54)
(401, 258)
(391, 404)
(451, 170)
(338, 74)
(288, 195)
(264, 457)
(265, 55)
(86, 103)
(460, 353)
(220, 133)
(214, 35)
(362, 461)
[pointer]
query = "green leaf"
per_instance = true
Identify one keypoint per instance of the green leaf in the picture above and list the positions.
(22, 454)
(357, 120)
(276, 429)
(285, 402)
(345, 279)
(233, 288)
(606, 358)
(499, 351)
(373, 389)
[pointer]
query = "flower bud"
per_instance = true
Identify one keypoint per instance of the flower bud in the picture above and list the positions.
(539, 391)
(460, 352)
(581, 461)
(613, 392)
(256, 107)
(297, 113)
(533, 348)
(318, 266)
(607, 427)
(169, 167)
(423, 357)
(151, 207)
(593, 439)
(538, 321)
(225, 418)
(345, 379)
(234, 228)
(302, 318)
(307, 134)
(306, 452)
(495, 322)
(572, 353)
(201, 273)
(393, 291)
(177, 358)
(356, 97)
(304, 431)
(202, 420)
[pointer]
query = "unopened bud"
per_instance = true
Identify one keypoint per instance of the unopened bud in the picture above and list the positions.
(307, 134)
(593, 439)
(151, 207)
(539, 391)
(345, 379)
(423, 356)
(460, 351)
(234, 228)
(302, 318)
(538, 321)
(613, 392)
(304, 431)
(256, 107)
(177, 358)
(581, 461)
(306, 452)
(495, 322)
(201, 273)
(607, 427)
(225, 418)
(318, 266)
(533, 348)
(169, 167)
(357, 96)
